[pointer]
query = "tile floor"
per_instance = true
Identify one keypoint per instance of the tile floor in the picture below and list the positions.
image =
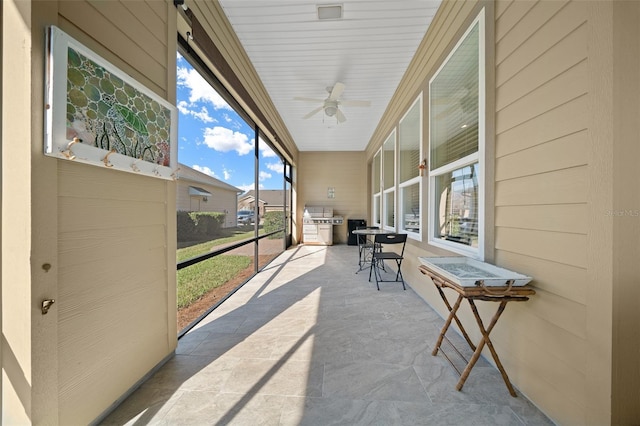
(309, 342)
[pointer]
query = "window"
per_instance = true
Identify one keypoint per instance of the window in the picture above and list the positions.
(389, 181)
(254, 167)
(376, 184)
(409, 157)
(456, 146)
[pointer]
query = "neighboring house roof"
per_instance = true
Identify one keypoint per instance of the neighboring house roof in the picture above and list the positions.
(270, 197)
(186, 173)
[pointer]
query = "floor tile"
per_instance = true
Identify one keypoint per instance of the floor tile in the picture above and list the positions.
(310, 342)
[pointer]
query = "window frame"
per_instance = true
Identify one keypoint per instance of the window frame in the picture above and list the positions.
(391, 191)
(416, 179)
(469, 160)
(376, 201)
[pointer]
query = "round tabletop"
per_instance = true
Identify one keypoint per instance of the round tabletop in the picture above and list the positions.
(371, 231)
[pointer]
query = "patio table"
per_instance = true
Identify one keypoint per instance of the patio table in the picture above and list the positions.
(364, 253)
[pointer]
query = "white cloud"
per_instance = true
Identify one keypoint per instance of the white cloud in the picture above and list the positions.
(206, 170)
(266, 150)
(225, 140)
(226, 173)
(200, 89)
(276, 167)
(264, 175)
(246, 188)
(202, 115)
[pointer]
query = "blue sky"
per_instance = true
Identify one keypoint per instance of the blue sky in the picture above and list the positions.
(214, 140)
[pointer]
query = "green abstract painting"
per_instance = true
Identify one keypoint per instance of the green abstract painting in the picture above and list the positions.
(105, 111)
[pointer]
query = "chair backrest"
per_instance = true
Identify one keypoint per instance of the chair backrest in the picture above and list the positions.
(392, 239)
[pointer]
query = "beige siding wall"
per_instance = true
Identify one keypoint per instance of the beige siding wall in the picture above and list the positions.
(220, 200)
(344, 171)
(116, 231)
(625, 220)
(554, 177)
(113, 285)
(541, 195)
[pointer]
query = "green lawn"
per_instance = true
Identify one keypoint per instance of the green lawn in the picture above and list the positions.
(197, 280)
(230, 236)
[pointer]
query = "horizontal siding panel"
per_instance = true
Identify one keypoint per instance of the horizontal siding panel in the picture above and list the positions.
(97, 287)
(563, 88)
(566, 186)
(159, 7)
(564, 376)
(82, 180)
(508, 18)
(563, 280)
(80, 247)
(549, 34)
(569, 249)
(560, 312)
(149, 65)
(561, 409)
(78, 214)
(502, 6)
(542, 335)
(563, 120)
(88, 328)
(540, 371)
(78, 387)
(533, 16)
(134, 26)
(152, 15)
(567, 53)
(570, 218)
(569, 151)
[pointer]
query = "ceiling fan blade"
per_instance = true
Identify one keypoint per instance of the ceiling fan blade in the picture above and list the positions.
(299, 98)
(315, 111)
(356, 103)
(340, 116)
(337, 90)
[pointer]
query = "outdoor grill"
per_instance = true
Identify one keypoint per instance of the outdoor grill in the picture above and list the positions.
(317, 225)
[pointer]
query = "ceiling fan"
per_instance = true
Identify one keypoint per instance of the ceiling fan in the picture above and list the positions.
(331, 104)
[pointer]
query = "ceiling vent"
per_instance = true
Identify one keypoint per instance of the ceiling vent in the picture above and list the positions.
(326, 12)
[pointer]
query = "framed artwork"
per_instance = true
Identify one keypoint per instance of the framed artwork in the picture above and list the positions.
(97, 114)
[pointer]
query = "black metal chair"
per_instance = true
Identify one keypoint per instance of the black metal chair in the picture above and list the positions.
(380, 255)
(366, 247)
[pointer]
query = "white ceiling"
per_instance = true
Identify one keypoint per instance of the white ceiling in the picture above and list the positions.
(297, 55)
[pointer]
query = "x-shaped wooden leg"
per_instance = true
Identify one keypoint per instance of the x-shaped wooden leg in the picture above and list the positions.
(452, 316)
(487, 341)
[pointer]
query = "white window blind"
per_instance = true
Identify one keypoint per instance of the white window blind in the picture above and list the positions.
(454, 94)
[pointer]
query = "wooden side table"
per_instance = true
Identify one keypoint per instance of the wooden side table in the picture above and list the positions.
(502, 295)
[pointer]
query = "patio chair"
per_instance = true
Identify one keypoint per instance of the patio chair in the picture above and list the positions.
(380, 255)
(365, 246)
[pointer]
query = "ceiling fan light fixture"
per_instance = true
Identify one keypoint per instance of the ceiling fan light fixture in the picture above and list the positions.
(326, 12)
(330, 108)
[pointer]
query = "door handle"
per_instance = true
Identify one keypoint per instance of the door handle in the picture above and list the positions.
(46, 304)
